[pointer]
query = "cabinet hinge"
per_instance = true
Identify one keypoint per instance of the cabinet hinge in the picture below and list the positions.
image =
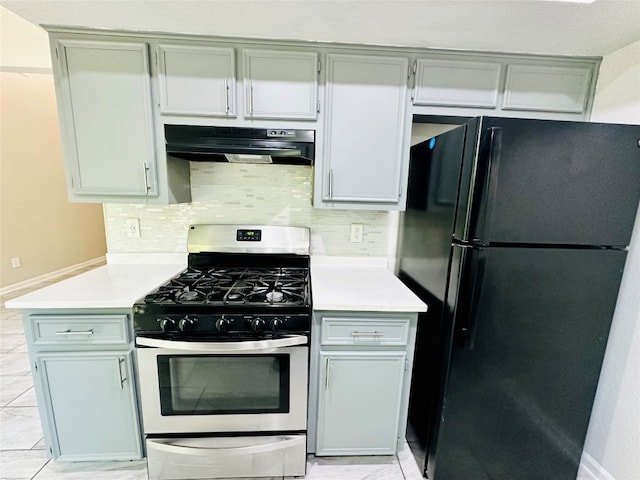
(406, 364)
(56, 53)
(318, 106)
(156, 59)
(35, 367)
(72, 184)
(319, 67)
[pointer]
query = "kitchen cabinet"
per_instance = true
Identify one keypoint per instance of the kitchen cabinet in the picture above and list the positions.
(82, 364)
(503, 85)
(90, 402)
(281, 84)
(547, 88)
(113, 106)
(104, 92)
(456, 82)
(360, 377)
(358, 408)
(106, 118)
(366, 122)
(197, 80)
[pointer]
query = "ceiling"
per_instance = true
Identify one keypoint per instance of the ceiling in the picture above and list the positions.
(552, 27)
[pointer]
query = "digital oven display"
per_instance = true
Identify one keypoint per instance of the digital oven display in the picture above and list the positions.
(248, 235)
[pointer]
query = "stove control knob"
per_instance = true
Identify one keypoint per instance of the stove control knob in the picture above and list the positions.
(222, 324)
(185, 325)
(258, 324)
(275, 324)
(167, 324)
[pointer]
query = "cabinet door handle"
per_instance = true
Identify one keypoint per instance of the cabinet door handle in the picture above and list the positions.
(251, 99)
(121, 378)
(70, 333)
(145, 170)
(226, 95)
(331, 183)
(375, 333)
(413, 87)
(326, 383)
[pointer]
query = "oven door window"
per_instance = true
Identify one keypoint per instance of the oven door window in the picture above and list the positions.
(223, 384)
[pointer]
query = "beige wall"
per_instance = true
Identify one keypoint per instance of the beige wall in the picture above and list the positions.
(23, 44)
(37, 223)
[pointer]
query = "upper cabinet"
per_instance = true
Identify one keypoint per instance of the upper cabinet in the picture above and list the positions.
(197, 80)
(107, 124)
(547, 88)
(454, 82)
(107, 118)
(504, 85)
(281, 84)
(366, 120)
(116, 91)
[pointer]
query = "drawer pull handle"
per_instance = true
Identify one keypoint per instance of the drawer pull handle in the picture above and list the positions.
(375, 333)
(75, 332)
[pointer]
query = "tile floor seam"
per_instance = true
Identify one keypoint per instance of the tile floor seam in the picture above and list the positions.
(40, 469)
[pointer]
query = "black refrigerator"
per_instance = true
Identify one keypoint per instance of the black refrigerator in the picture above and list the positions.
(515, 235)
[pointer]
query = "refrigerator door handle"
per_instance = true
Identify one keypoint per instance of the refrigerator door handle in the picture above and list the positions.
(488, 189)
(476, 273)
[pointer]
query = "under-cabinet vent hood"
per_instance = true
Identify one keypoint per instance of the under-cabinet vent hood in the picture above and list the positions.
(240, 145)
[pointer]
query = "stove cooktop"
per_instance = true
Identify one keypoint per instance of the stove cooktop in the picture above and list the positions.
(245, 287)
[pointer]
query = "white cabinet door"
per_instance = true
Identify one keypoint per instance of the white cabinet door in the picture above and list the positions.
(196, 80)
(359, 402)
(91, 405)
(365, 128)
(281, 84)
(547, 88)
(455, 82)
(107, 119)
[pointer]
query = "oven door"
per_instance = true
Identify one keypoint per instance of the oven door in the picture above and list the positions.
(217, 387)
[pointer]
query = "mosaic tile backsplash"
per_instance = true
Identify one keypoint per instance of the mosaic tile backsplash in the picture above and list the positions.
(251, 194)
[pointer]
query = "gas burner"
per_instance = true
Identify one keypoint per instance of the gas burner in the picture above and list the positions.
(189, 296)
(234, 297)
(275, 296)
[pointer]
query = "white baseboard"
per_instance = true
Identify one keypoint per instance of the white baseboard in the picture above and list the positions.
(51, 275)
(592, 470)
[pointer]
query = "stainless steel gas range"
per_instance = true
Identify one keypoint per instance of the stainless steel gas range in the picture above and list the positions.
(223, 351)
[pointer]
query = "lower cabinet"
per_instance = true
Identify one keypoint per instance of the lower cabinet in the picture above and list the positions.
(82, 364)
(359, 382)
(359, 404)
(90, 398)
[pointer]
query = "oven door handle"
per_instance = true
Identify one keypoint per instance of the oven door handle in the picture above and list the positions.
(223, 347)
(165, 445)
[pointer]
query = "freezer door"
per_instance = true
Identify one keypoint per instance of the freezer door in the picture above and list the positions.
(550, 182)
(526, 348)
(427, 224)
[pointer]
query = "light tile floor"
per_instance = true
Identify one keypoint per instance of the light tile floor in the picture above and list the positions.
(22, 450)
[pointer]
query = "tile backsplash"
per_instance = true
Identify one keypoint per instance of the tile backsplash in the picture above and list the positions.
(251, 194)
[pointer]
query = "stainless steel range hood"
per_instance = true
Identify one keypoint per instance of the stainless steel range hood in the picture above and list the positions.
(240, 145)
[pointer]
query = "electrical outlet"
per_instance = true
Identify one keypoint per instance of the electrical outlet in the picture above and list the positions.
(133, 227)
(15, 262)
(357, 230)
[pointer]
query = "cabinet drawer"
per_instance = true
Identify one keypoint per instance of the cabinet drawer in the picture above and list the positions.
(79, 329)
(353, 331)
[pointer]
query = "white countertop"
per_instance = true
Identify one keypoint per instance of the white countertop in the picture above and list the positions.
(371, 289)
(338, 283)
(110, 286)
